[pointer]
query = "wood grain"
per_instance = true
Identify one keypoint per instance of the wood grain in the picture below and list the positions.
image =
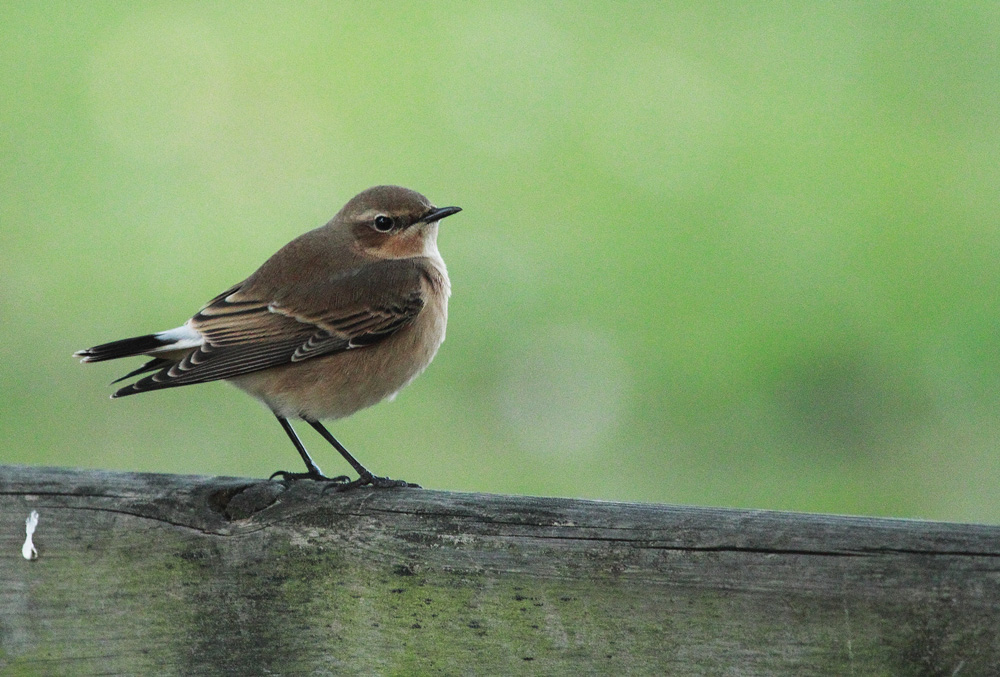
(163, 574)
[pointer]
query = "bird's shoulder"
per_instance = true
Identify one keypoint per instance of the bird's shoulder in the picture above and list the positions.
(345, 299)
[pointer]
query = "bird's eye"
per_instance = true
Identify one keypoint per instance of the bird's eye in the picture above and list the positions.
(383, 224)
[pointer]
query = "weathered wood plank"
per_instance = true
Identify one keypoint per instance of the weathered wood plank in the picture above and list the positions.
(161, 574)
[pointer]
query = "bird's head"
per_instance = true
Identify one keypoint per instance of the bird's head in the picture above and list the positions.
(391, 222)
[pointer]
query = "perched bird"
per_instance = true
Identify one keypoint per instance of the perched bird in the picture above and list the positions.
(337, 320)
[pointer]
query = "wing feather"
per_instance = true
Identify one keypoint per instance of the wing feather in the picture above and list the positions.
(245, 331)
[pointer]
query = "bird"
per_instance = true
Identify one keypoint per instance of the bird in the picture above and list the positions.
(339, 319)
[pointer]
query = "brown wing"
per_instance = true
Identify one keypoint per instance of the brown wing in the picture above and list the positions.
(243, 333)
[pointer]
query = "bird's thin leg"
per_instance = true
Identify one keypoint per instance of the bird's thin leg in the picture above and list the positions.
(313, 471)
(364, 475)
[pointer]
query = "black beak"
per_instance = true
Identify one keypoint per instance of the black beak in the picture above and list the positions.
(439, 213)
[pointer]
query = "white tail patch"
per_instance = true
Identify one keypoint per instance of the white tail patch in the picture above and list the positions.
(180, 338)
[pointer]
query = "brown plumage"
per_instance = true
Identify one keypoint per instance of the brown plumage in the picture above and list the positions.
(337, 320)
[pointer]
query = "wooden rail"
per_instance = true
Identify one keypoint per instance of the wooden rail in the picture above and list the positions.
(144, 574)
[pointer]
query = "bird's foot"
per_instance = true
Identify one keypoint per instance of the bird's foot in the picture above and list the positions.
(375, 481)
(315, 476)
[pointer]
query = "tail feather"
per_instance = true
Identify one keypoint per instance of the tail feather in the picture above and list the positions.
(137, 345)
(165, 347)
(153, 365)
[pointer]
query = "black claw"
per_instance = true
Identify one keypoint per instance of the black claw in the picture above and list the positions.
(376, 482)
(317, 477)
(386, 483)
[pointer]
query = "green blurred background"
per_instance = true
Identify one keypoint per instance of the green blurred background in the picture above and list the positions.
(717, 255)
